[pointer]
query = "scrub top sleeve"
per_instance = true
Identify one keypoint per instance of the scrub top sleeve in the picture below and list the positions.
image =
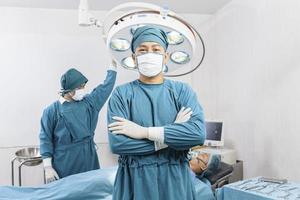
(100, 94)
(183, 136)
(121, 144)
(46, 134)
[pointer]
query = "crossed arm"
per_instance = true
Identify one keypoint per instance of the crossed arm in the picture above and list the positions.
(129, 138)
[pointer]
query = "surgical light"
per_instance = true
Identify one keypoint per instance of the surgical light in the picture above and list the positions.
(186, 47)
(180, 57)
(128, 63)
(119, 44)
(175, 38)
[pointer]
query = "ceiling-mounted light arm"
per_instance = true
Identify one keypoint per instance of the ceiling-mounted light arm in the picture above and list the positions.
(164, 11)
(85, 18)
(130, 8)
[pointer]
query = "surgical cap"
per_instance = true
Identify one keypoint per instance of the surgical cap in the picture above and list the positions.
(71, 80)
(149, 34)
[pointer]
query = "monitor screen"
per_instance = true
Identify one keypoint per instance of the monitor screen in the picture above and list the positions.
(214, 131)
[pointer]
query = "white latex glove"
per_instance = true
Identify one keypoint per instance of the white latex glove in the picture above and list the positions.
(128, 128)
(50, 173)
(183, 115)
(113, 65)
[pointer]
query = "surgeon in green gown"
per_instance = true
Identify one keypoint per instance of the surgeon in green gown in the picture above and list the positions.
(153, 122)
(68, 126)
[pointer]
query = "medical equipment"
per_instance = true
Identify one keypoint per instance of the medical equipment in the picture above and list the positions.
(186, 47)
(273, 180)
(261, 188)
(27, 156)
(221, 177)
(214, 134)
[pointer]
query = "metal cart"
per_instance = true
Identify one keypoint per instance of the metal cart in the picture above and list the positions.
(28, 157)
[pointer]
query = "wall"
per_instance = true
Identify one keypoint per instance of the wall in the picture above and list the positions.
(250, 79)
(37, 46)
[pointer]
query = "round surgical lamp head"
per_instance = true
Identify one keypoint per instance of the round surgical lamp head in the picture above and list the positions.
(186, 47)
(119, 44)
(128, 63)
(180, 57)
(175, 38)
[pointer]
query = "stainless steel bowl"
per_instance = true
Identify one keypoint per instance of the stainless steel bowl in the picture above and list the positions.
(31, 154)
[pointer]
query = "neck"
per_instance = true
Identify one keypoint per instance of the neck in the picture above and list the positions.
(67, 98)
(152, 80)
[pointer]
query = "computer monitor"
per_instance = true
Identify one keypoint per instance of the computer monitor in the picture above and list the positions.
(214, 134)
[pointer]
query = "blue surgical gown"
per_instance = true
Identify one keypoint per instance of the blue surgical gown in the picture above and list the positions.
(144, 173)
(68, 129)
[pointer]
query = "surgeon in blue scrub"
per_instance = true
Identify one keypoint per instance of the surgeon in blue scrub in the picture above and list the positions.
(68, 126)
(153, 122)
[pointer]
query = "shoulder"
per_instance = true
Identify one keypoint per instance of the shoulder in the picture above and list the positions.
(50, 109)
(124, 90)
(178, 87)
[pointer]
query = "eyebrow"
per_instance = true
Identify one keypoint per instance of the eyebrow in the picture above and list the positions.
(143, 46)
(156, 45)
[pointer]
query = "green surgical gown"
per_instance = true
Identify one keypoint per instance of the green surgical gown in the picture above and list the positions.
(143, 173)
(68, 129)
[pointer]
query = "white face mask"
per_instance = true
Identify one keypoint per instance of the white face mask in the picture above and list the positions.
(79, 94)
(150, 64)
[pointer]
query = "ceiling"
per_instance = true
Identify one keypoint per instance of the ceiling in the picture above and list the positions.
(181, 6)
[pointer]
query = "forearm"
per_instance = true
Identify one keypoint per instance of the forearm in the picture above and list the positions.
(123, 145)
(179, 136)
(101, 93)
(46, 149)
(46, 145)
(104, 89)
(185, 135)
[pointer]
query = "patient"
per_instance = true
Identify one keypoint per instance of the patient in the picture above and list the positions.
(204, 164)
